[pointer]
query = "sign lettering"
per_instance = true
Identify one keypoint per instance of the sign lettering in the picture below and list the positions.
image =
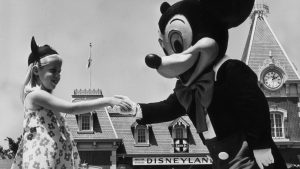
(172, 160)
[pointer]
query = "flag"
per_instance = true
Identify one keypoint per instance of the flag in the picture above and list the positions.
(89, 62)
(90, 58)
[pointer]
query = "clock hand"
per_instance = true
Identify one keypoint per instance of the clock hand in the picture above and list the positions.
(273, 77)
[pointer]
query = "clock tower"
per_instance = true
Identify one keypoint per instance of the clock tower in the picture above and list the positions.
(278, 78)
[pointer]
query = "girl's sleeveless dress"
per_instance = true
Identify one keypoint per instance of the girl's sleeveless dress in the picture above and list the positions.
(46, 143)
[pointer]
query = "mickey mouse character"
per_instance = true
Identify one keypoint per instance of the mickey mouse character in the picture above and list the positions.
(220, 95)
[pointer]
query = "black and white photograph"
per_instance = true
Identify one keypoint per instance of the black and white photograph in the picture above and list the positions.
(141, 84)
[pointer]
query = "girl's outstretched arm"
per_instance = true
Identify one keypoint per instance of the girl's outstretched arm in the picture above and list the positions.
(40, 98)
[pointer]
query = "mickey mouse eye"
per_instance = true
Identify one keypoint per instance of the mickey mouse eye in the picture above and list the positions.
(176, 41)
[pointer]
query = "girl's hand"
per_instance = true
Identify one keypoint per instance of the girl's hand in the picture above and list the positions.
(123, 102)
(263, 157)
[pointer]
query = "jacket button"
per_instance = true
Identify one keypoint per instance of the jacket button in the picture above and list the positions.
(223, 155)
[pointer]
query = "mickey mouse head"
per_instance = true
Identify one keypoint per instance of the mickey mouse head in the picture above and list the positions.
(194, 35)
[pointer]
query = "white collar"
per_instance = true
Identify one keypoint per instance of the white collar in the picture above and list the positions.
(219, 64)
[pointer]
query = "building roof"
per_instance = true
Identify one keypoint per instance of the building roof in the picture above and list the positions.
(263, 43)
(109, 125)
(160, 137)
(103, 128)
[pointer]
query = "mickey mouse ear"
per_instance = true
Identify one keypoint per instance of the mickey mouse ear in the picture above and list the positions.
(164, 7)
(34, 46)
(233, 12)
(34, 56)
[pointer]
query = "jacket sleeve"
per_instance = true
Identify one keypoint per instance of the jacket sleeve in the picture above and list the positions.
(250, 105)
(162, 111)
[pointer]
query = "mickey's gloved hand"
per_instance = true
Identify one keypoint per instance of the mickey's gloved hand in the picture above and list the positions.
(153, 61)
(263, 157)
(135, 110)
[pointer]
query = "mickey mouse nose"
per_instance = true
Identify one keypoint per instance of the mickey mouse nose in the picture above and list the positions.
(153, 61)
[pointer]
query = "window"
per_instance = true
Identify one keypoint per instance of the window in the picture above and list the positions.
(85, 123)
(278, 117)
(179, 132)
(141, 134)
(179, 128)
(277, 128)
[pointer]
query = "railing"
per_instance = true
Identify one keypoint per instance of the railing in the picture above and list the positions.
(88, 92)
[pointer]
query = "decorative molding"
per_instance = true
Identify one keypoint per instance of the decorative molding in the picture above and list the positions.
(274, 108)
(280, 139)
(179, 121)
(88, 92)
(272, 63)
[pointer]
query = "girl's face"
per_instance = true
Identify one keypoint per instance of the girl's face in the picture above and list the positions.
(49, 73)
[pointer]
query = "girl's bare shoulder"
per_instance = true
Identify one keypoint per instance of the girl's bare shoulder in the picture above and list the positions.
(34, 98)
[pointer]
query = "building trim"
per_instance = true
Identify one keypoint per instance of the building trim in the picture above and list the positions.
(112, 125)
(164, 155)
(98, 140)
(251, 40)
(288, 144)
(274, 108)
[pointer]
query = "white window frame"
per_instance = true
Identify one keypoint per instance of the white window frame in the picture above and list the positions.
(138, 128)
(91, 123)
(283, 113)
(275, 127)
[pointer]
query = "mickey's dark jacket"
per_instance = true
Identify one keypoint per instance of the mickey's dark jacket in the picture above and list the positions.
(238, 106)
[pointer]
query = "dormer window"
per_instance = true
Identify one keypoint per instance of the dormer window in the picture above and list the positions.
(179, 128)
(85, 123)
(141, 134)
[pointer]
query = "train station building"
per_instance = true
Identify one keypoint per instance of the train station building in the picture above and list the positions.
(109, 140)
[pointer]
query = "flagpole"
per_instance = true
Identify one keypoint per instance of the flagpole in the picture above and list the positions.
(90, 62)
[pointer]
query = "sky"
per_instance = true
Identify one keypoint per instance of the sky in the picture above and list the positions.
(122, 33)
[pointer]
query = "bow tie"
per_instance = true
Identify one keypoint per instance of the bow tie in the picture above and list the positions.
(200, 92)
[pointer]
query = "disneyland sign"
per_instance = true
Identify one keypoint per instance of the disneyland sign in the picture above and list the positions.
(172, 160)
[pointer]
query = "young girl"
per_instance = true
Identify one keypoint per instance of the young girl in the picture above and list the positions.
(46, 143)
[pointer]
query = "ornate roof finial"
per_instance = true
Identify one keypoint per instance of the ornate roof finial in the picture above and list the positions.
(271, 57)
(260, 8)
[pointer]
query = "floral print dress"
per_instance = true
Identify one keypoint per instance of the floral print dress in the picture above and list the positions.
(46, 143)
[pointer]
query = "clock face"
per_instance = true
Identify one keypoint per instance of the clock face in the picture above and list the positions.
(272, 80)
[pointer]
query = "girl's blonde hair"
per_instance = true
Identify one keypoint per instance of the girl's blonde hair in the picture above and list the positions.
(30, 83)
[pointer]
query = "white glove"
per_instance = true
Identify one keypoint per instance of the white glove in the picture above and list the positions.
(263, 157)
(135, 111)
